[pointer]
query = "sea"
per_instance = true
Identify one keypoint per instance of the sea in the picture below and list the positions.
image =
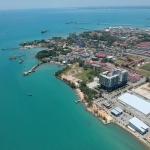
(50, 119)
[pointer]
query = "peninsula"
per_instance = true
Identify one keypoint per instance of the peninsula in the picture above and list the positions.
(110, 70)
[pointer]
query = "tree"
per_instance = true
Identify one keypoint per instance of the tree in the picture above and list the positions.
(81, 63)
(72, 85)
(104, 60)
(147, 79)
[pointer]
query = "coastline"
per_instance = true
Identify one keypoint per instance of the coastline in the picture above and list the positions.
(91, 110)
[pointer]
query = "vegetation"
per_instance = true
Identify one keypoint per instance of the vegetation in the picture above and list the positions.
(119, 62)
(52, 53)
(147, 79)
(59, 72)
(45, 53)
(146, 67)
(88, 74)
(89, 94)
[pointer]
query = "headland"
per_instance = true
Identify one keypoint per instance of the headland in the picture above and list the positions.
(92, 55)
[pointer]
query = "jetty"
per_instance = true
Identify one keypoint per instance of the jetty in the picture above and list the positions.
(21, 60)
(82, 28)
(10, 48)
(12, 57)
(77, 101)
(31, 70)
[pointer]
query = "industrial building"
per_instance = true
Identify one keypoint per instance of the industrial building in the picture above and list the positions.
(110, 80)
(136, 102)
(116, 111)
(107, 105)
(138, 125)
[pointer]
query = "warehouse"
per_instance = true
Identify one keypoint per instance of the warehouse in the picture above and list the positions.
(138, 125)
(136, 103)
(116, 111)
(119, 110)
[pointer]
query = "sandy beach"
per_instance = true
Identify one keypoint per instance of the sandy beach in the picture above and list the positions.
(81, 95)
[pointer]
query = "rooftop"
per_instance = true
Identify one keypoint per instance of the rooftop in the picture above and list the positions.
(136, 102)
(119, 109)
(115, 112)
(113, 73)
(138, 123)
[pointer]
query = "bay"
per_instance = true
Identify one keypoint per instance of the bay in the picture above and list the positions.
(50, 120)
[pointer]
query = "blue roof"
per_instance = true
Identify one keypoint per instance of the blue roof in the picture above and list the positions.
(139, 124)
(136, 102)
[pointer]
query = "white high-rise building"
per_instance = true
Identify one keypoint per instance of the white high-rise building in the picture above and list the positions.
(110, 79)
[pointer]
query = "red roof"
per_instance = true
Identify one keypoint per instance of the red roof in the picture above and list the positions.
(102, 55)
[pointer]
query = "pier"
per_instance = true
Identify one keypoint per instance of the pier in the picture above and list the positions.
(31, 70)
(21, 60)
(10, 48)
(82, 28)
(12, 57)
(77, 101)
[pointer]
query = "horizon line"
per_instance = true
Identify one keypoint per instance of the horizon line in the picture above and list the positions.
(102, 7)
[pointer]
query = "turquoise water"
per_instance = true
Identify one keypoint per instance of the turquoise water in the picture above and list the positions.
(50, 120)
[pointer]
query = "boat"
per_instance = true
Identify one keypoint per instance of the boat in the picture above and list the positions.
(29, 94)
(20, 62)
(43, 31)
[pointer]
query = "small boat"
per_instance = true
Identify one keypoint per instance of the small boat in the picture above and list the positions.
(43, 31)
(20, 62)
(29, 94)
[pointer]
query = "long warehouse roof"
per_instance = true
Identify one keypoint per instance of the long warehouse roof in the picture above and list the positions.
(139, 124)
(136, 102)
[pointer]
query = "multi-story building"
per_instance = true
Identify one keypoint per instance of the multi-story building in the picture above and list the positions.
(112, 79)
(72, 35)
(80, 43)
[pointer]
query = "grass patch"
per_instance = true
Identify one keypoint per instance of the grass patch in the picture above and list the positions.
(85, 75)
(146, 67)
(133, 57)
(119, 62)
(143, 72)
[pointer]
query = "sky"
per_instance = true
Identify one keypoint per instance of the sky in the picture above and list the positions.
(27, 4)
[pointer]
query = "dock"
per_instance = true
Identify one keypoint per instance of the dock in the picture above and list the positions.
(12, 57)
(77, 101)
(31, 70)
(21, 60)
(10, 48)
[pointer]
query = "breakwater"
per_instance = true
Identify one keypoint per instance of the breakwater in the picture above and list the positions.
(31, 70)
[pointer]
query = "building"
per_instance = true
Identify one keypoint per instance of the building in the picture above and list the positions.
(119, 110)
(80, 43)
(110, 80)
(100, 55)
(72, 35)
(136, 102)
(116, 111)
(107, 105)
(138, 125)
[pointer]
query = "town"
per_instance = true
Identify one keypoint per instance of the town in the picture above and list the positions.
(110, 69)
